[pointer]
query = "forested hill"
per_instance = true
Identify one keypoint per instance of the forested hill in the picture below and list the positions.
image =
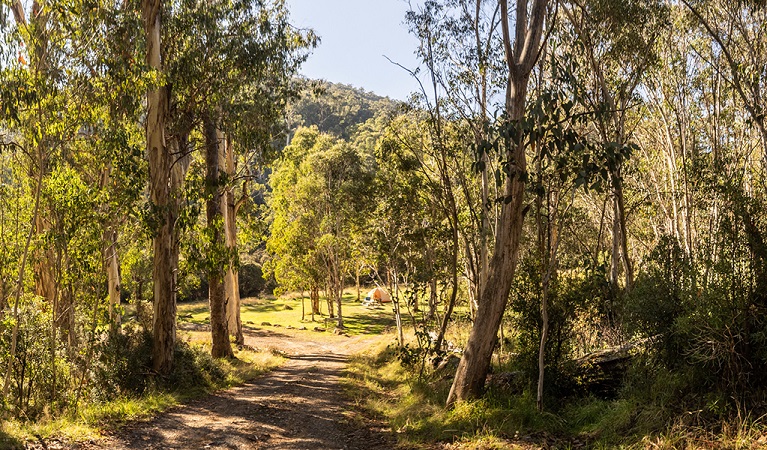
(336, 108)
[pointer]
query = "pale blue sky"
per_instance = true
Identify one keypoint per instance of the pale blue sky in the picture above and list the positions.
(356, 34)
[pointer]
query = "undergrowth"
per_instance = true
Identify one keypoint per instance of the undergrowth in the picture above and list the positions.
(379, 384)
(137, 396)
(654, 415)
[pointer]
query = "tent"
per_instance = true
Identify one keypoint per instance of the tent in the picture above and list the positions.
(378, 295)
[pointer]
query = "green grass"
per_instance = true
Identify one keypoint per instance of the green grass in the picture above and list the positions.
(89, 422)
(286, 311)
(415, 410)
(92, 420)
(381, 386)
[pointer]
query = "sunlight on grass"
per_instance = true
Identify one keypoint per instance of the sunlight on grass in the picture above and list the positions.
(382, 387)
(91, 421)
(415, 410)
(287, 311)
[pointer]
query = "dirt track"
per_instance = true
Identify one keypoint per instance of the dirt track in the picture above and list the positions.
(297, 406)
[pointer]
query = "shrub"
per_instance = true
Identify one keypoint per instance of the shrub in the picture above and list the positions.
(40, 372)
(123, 364)
(574, 297)
(193, 369)
(661, 298)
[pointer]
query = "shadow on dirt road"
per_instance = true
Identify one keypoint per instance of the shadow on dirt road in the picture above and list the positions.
(297, 406)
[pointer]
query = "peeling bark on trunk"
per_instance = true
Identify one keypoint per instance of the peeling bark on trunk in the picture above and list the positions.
(472, 370)
(474, 365)
(233, 319)
(111, 262)
(232, 277)
(112, 267)
(160, 162)
(214, 140)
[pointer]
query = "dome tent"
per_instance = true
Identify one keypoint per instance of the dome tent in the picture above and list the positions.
(378, 295)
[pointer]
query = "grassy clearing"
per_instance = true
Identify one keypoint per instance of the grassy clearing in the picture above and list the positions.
(286, 311)
(385, 389)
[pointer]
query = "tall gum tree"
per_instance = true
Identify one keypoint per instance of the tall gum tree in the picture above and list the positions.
(214, 144)
(160, 161)
(739, 30)
(521, 54)
(321, 190)
(459, 45)
(35, 32)
(229, 208)
(618, 53)
(236, 72)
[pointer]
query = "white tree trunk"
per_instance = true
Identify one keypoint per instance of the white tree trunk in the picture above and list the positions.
(112, 265)
(221, 347)
(232, 277)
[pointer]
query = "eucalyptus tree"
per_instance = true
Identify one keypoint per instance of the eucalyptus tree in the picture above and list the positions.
(462, 50)
(327, 191)
(521, 53)
(423, 145)
(404, 214)
(436, 152)
(618, 54)
(295, 262)
(165, 176)
(39, 89)
(671, 128)
(230, 66)
(36, 40)
(710, 110)
(59, 112)
(564, 161)
(239, 62)
(262, 82)
(738, 29)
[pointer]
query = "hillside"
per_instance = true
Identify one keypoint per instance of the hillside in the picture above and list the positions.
(336, 108)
